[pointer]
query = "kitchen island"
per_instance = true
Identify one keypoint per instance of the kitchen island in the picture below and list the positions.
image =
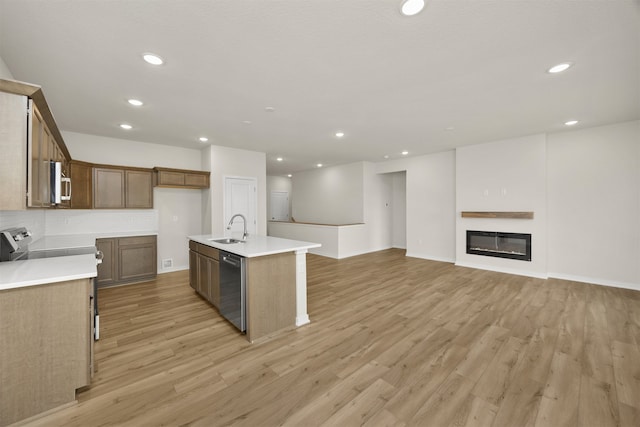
(276, 279)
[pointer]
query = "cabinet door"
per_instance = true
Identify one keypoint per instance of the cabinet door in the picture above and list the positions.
(204, 276)
(46, 155)
(137, 258)
(107, 270)
(35, 195)
(108, 188)
(81, 179)
(139, 189)
(196, 180)
(214, 284)
(193, 270)
(170, 178)
(14, 163)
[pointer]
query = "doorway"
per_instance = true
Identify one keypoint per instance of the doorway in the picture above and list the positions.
(279, 206)
(240, 197)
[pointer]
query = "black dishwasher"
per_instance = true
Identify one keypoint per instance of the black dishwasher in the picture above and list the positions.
(233, 289)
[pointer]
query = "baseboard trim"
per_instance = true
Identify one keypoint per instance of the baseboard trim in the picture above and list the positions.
(430, 257)
(596, 281)
(504, 270)
(302, 320)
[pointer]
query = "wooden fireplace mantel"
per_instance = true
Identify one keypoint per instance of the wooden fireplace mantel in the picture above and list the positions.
(503, 214)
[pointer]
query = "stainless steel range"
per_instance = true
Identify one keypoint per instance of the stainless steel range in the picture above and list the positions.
(14, 246)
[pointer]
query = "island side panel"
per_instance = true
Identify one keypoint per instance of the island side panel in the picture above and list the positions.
(45, 337)
(302, 317)
(271, 294)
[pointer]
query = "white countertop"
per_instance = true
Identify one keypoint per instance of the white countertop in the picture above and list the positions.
(255, 246)
(17, 274)
(30, 272)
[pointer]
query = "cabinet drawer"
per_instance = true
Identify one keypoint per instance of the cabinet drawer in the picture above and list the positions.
(209, 251)
(171, 178)
(136, 240)
(205, 250)
(196, 180)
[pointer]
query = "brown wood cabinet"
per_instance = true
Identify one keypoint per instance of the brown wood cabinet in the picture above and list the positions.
(181, 178)
(127, 260)
(270, 287)
(43, 149)
(119, 188)
(46, 337)
(14, 163)
(204, 271)
(108, 269)
(82, 181)
(29, 141)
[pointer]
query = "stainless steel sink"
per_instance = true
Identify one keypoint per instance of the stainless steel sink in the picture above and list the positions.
(227, 241)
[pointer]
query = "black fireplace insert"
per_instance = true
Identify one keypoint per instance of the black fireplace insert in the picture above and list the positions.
(498, 244)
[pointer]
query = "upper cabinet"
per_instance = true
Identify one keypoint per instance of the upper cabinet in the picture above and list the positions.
(117, 188)
(181, 178)
(29, 142)
(82, 178)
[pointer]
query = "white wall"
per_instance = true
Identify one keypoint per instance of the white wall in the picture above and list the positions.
(178, 211)
(430, 204)
(378, 212)
(332, 195)
(594, 205)
(507, 175)
(278, 183)
(232, 162)
(5, 73)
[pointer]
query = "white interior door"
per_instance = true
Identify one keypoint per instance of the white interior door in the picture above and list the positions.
(240, 197)
(279, 206)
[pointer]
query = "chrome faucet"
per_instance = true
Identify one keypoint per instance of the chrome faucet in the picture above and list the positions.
(244, 220)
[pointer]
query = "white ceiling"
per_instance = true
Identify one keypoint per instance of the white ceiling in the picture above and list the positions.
(390, 82)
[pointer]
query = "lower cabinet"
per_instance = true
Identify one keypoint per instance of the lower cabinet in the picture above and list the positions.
(204, 270)
(127, 259)
(46, 337)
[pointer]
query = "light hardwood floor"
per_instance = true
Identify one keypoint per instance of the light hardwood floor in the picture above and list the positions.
(393, 341)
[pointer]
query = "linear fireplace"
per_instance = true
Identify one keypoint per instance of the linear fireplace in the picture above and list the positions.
(498, 244)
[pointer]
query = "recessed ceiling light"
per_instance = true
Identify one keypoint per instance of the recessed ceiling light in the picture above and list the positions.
(203, 139)
(386, 156)
(319, 165)
(246, 122)
(269, 109)
(404, 153)
(339, 134)
(289, 175)
(135, 102)
(571, 122)
(411, 7)
(126, 126)
(559, 68)
(153, 59)
(279, 159)
(449, 128)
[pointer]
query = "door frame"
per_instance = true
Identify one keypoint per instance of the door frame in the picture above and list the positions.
(254, 181)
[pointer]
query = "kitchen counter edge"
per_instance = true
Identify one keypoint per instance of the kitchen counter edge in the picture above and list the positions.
(34, 272)
(255, 246)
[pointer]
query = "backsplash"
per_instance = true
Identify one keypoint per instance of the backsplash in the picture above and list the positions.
(100, 221)
(55, 222)
(33, 220)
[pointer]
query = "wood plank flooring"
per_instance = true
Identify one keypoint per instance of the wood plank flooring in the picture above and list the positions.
(394, 341)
